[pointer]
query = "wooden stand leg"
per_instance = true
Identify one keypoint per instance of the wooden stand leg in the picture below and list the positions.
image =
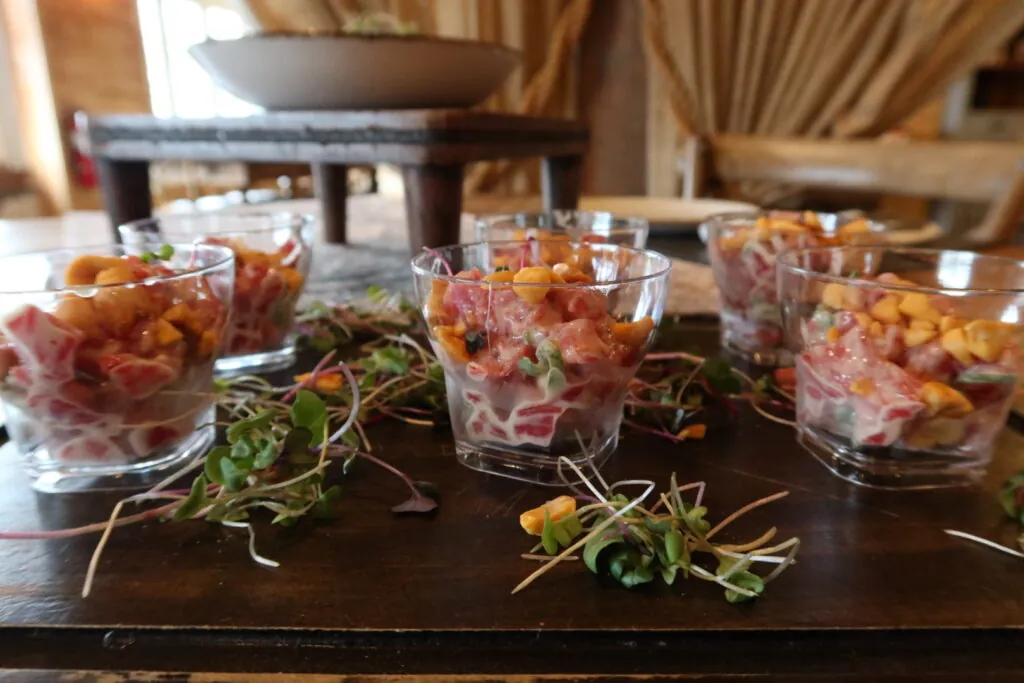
(560, 182)
(124, 186)
(330, 182)
(433, 204)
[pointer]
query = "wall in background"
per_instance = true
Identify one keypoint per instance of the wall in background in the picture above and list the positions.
(11, 153)
(70, 56)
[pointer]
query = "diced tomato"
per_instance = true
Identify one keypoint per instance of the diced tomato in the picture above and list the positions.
(141, 378)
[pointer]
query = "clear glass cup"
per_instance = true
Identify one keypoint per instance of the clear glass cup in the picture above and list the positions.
(742, 249)
(273, 253)
(106, 361)
(557, 228)
(907, 359)
(537, 359)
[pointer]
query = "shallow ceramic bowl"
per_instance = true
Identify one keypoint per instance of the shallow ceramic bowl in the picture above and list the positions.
(336, 71)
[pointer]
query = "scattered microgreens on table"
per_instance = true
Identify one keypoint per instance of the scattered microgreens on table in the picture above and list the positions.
(1012, 499)
(281, 440)
(621, 538)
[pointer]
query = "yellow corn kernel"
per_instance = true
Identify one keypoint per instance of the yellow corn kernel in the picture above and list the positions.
(435, 302)
(181, 314)
(854, 227)
(532, 521)
(78, 312)
(853, 299)
(955, 343)
(876, 329)
(833, 295)
(944, 400)
(810, 219)
(115, 275)
(887, 310)
(570, 273)
(916, 305)
(863, 320)
(987, 339)
(833, 335)
(327, 384)
(83, 270)
(937, 431)
(453, 344)
(500, 276)
(634, 333)
(532, 275)
(949, 322)
(918, 324)
(292, 278)
(697, 431)
(912, 337)
(166, 333)
(209, 342)
(862, 386)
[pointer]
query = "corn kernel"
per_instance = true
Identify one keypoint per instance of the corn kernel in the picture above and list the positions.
(916, 305)
(876, 329)
(937, 431)
(833, 295)
(954, 342)
(944, 400)
(532, 275)
(919, 324)
(862, 386)
(949, 322)
(696, 431)
(634, 333)
(453, 344)
(833, 335)
(327, 384)
(853, 299)
(532, 521)
(863, 320)
(887, 310)
(500, 276)
(166, 333)
(987, 339)
(915, 337)
(115, 275)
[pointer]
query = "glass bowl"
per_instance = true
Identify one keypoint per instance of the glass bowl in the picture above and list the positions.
(273, 253)
(106, 360)
(742, 249)
(537, 359)
(908, 360)
(557, 228)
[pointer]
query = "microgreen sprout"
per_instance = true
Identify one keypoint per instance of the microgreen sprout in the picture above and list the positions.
(618, 536)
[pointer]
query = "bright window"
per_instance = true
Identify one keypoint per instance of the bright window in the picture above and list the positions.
(178, 86)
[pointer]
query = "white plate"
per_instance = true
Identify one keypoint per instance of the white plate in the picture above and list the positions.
(669, 213)
(297, 72)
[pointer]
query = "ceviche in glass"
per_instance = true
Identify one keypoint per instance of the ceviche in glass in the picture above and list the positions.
(743, 248)
(538, 356)
(564, 226)
(908, 360)
(273, 253)
(107, 357)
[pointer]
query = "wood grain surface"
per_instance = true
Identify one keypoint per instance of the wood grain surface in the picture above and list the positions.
(879, 591)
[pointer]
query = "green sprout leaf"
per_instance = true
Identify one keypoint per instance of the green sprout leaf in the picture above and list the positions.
(194, 502)
(309, 411)
(212, 466)
(746, 580)
(257, 422)
(720, 377)
(327, 503)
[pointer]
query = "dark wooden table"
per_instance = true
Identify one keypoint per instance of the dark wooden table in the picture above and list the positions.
(879, 592)
(431, 146)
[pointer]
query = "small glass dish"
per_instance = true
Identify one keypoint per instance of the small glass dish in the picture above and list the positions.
(538, 357)
(742, 248)
(273, 253)
(106, 360)
(907, 360)
(556, 228)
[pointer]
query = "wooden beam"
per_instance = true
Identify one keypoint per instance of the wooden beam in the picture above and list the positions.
(962, 171)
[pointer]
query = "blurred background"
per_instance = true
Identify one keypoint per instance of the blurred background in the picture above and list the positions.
(664, 85)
